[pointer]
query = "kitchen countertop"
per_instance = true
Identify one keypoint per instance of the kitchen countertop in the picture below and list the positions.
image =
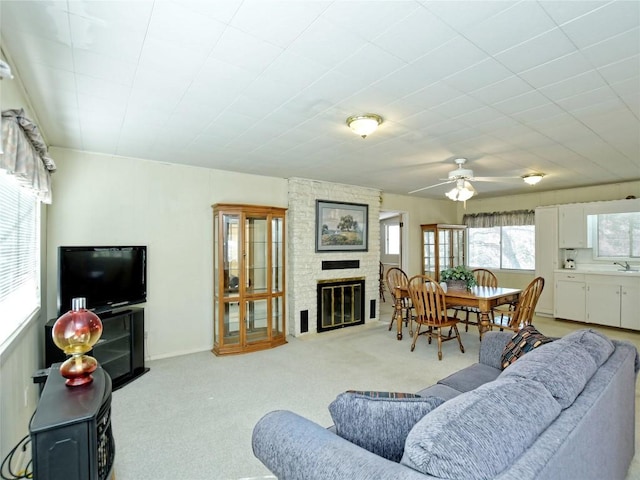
(597, 270)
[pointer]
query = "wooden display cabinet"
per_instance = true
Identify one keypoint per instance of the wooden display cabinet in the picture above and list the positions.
(249, 278)
(443, 246)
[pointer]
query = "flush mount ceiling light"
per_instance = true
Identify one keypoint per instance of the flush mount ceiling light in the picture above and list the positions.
(462, 192)
(364, 124)
(532, 178)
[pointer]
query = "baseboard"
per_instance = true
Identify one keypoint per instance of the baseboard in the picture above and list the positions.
(179, 353)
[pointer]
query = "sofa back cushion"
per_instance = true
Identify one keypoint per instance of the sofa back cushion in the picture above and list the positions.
(379, 421)
(479, 433)
(597, 344)
(563, 367)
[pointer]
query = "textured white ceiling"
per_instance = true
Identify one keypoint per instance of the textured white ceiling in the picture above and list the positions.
(264, 87)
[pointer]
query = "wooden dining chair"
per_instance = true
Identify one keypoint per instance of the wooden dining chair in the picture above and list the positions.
(484, 278)
(430, 307)
(397, 278)
(522, 314)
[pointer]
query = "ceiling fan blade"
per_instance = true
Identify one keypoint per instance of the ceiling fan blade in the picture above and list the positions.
(430, 186)
(496, 179)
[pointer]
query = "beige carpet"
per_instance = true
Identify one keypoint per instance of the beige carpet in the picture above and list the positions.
(191, 417)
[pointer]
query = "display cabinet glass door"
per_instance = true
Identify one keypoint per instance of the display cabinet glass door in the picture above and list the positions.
(429, 258)
(231, 254)
(256, 255)
(277, 255)
(443, 246)
(277, 277)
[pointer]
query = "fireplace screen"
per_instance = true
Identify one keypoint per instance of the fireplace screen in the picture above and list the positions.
(340, 304)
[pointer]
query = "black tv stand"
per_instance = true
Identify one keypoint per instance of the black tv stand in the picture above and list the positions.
(120, 350)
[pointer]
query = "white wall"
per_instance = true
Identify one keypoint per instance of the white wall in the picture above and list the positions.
(108, 200)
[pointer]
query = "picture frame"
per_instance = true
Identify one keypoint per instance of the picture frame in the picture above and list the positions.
(341, 226)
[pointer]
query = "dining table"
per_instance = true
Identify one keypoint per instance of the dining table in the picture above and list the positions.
(485, 299)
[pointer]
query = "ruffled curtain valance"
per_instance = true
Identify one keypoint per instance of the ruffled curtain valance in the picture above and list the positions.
(25, 154)
(499, 219)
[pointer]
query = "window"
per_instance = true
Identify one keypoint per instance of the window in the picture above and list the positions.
(19, 255)
(392, 239)
(502, 240)
(502, 247)
(618, 235)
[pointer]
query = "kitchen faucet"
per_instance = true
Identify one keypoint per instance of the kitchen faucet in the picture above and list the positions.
(626, 265)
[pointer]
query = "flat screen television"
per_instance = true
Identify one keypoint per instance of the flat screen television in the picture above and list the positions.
(108, 277)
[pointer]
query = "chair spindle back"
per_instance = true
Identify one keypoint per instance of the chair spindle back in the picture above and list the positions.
(429, 300)
(525, 308)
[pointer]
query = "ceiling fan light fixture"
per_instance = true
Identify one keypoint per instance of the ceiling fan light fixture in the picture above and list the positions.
(532, 178)
(364, 124)
(462, 192)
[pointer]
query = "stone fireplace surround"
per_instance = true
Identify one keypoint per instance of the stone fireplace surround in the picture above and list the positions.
(304, 264)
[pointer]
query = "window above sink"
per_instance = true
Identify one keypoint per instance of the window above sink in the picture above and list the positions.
(615, 237)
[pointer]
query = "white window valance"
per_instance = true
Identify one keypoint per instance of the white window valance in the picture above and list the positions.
(25, 154)
(499, 219)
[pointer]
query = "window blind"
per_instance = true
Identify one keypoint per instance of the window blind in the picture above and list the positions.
(19, 254)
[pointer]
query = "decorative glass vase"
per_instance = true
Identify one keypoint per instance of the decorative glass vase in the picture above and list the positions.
(75, 333)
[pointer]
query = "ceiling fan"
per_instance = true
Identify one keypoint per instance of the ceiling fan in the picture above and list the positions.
(461, 177)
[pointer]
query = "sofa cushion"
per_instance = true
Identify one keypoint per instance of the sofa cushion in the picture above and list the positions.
(379, 422)
(470, 377)
(522, 342)
(479, 433)
(599, 346)
(564, 367)
(441, 391)
(492, 346)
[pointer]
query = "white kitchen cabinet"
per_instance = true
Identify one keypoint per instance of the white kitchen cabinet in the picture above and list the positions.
(546, 255)
(572, 226)
(603, 300)
(630, 304)
(570, 296)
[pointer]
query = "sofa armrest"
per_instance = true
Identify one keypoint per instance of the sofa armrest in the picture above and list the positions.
(492, 346)
(293, 447)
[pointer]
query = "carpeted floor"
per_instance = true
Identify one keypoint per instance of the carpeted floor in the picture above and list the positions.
(191, 417)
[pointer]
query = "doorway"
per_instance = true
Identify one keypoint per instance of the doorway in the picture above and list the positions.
(392, 240)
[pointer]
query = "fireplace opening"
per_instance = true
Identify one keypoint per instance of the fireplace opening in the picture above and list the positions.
(340, 303)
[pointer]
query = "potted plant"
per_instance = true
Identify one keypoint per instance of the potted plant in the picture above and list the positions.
(458, 278)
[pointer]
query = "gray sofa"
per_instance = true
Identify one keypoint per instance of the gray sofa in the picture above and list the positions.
(564, 410)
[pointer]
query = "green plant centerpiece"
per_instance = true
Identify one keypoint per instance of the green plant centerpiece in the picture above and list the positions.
(460, 278)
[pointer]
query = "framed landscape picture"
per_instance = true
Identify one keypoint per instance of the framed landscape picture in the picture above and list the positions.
(341, 227)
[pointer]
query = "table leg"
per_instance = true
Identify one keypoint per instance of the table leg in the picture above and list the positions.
(399, 317)
(483, 325)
